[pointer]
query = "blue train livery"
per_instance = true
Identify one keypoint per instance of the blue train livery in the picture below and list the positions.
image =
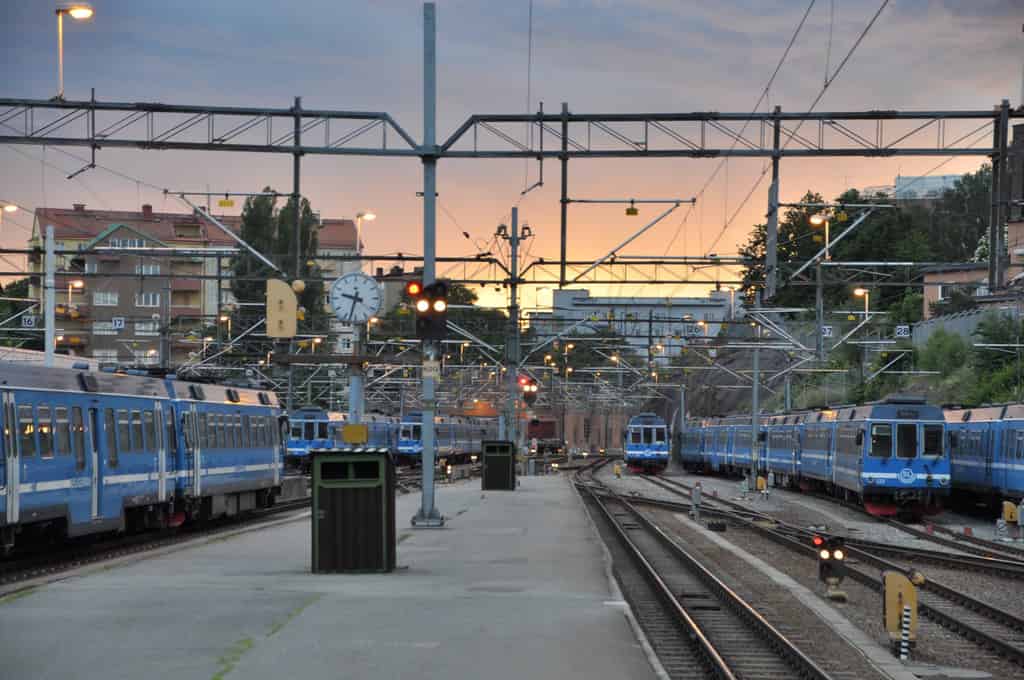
(891, 456)
(85, 452)
(987, 451)
(646, 443)
(458, 439)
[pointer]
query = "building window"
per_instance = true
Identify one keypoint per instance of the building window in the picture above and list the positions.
(127, 243)
(103, 328)
(105, 354)
(91, 267)
(105, 298)
(147, 299)
(147, 328)
(147, 269)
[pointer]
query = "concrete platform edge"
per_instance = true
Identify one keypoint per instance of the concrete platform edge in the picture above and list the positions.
(21, 588)
(613, 586)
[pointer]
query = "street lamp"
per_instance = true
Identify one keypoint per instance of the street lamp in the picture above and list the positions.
(819, 220)
(367, 215)
(225, 318)
(78, 11)
(863, 292)
(76, 284)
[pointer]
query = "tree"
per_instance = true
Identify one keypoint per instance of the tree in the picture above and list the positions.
(271, 231)
(8, 308)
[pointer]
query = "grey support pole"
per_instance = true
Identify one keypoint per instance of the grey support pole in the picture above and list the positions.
(999, 188)
(355, 383)
(755, 405)
(772, 231)
(564, 158)
(513, 337)
(297, 197)
(49, 321)
(819, 311)
(428, 515)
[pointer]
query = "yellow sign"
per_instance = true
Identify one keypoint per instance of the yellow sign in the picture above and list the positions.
(281, 309)
(632, 212)
(1010, 512)
(899, 592)
(841, 216)
(226, 203)
(355, 434)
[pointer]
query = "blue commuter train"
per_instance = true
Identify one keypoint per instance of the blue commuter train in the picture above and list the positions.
(987, 451)
(890, 456)
(85, 452)
(314, 428)
(458, 439)
(646, 443)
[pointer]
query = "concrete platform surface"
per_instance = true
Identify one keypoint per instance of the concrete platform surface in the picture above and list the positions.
(515, 587)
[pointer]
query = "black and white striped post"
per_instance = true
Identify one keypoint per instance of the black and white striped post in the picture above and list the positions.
(905, 635)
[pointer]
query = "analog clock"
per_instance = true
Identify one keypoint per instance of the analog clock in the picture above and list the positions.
(355, 297)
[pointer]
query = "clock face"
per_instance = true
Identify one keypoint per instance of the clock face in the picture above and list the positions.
(355, 297)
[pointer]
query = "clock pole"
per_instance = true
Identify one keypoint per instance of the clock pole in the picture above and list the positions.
(355, 380)
(428, 515)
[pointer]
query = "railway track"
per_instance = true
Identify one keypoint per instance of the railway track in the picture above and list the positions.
(991, 627)
(697, 625)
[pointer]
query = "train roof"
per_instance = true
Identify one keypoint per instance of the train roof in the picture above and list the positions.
(642, 419)
(985, 413)
(33, 376)
(223, 394)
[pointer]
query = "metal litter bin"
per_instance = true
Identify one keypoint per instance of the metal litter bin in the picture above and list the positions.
(499, 466)
(353, 511)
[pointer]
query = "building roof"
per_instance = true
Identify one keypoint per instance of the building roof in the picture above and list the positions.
(84, 224)
(964, 267)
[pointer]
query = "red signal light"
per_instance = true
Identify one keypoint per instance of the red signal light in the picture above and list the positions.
(414, 288)
(523, 380)
(818, 541)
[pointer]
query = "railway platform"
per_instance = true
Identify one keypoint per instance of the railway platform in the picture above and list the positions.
(516, 586)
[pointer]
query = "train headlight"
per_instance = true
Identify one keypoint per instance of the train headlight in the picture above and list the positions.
(824, 554)
(838, 554)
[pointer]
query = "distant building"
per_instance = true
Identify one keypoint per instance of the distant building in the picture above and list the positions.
(112, 306)
(642, 321)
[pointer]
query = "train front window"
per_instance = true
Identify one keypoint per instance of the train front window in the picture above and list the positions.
(659, 435)
(881, 440)
(296, 430)
(309, 430)
(634, 437)
(932, 440)
(906, 440)
(648, 435)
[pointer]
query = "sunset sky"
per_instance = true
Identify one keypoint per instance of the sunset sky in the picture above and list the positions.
(597, 55)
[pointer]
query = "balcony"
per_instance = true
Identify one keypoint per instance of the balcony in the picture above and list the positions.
(186, 284)
(75, 311)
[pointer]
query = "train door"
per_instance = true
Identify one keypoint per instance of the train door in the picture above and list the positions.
(161, 451)
(990, 445)
(193, 455)
(9, 467)
(93, 458)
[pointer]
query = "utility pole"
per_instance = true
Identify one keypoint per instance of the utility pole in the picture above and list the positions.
(512, 344)
(50, 280)
(819, 311)
(772, 230)
(564, 159)
(755, 404)
(165, 325)
(296, 197)
(428, 515)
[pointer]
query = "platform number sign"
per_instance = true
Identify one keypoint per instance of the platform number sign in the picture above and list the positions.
(902, 331)
(28, 322)
(826, 331)
(117, 323)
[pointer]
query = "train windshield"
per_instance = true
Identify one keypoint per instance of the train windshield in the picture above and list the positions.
(906, 440)
(881, 440)
(411, 432)
(659, 434)
(635, 437)
(932, 440)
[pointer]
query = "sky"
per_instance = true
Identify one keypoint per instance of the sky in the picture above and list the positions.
(597, 55)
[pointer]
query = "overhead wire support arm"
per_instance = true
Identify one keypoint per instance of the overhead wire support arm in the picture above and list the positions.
(238, 239)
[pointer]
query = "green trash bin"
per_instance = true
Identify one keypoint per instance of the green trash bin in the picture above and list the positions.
(499, 466)
(353, 511)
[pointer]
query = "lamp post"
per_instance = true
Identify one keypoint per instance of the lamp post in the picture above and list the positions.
(76, 284)
(78, 11)
(369, 216)
(864, 293)
(226, 318)
(819, 220)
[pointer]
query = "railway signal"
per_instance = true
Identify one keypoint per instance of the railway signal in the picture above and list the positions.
(529, 387)
(831, 564)
(431, 305)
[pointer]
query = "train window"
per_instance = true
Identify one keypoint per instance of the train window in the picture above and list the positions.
(297, 430)
(932, 440)
(906, 440)
(1020, 444)
(124, 432)
(150, 429)
(648, 435)
(309, 431)
(78, 434)
(26, 431)
(635, 437)
(881, 440)
(138, 445)
(659, 434)
(45, 431)
(172, 438)
(62, 430)
(246, 432)
(238, 431)
(111, 429)
(223, 431)
(260, 432)
(321, 430)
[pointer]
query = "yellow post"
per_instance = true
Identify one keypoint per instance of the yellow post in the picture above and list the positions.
(618, 470)
(900, 591)
(1010, 514)
(355, 434)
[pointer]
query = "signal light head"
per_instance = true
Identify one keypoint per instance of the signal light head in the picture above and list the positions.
(824, 554)
(523, 380)
(414, 288)
(838, 554)
(818, 540)
(422, 305)
(440, 305)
